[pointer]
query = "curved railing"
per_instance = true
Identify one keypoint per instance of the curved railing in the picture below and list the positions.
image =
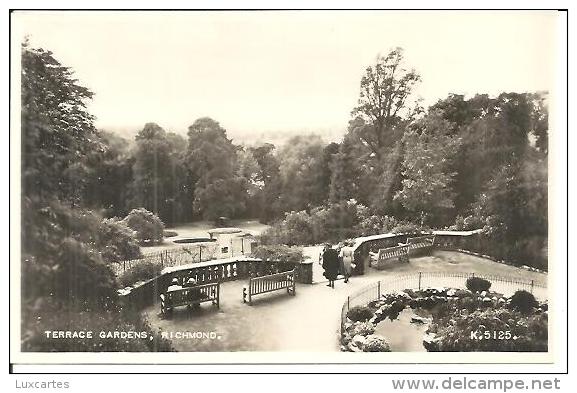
(420, 280)
(470, 242)
(220, 270)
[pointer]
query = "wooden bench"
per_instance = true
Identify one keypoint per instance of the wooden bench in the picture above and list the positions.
(421, 245)
(386, 256)
(190, 296)
(269, 283)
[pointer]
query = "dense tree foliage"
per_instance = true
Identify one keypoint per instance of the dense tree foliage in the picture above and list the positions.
(155, 160)
(427, 188)
(109, 176)
(212, 160)
(386, 107)
(66, 248)
(57, 130)
(464, 163)
(266, 202)
(383, 104)
(301, 173)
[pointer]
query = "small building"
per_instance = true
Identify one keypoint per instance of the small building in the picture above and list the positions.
(232, 242)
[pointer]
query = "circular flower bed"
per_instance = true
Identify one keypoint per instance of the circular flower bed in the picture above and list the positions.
(456, 320)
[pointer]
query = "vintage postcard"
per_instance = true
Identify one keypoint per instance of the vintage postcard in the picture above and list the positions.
(286, 187)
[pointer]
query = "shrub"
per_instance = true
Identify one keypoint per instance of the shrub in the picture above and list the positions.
(331, 223)
(458, 331)
(335, 221)
(279, 252)
(116, 241)
(170, 233)
(295, 229)
(149, 228)
(361, 328)
(298, 228)
(478, 284)
(144, 270)
(409, 227)
(467, 223)
(360, 314)
(376, 343)
(523, 302)
(373, 224)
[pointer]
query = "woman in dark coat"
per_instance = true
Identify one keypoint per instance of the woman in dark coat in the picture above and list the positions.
(331, 265)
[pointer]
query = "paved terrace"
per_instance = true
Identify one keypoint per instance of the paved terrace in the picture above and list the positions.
(308, 321)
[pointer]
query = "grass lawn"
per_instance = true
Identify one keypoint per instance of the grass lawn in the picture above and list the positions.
(451, 261)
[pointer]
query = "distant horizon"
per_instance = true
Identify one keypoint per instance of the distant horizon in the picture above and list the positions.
(301, 77)
(327, 134)
(242, 137)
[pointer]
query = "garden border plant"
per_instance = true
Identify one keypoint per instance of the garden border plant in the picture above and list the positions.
(455, 313)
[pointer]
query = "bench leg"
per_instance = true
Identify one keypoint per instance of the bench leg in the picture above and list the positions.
(245, 295)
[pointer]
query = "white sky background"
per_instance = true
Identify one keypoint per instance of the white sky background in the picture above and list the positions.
(283, 71)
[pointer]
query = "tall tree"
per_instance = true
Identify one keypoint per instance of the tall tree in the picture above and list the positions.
(153, 171)
(110, 176)
(303, 186)
(269, 176)
(383, 104)
(344, 175)
(496, 133)
(57, 130)
(60, 261)
(385, 109)
(212, 160)
(427, 185)
(540, 121)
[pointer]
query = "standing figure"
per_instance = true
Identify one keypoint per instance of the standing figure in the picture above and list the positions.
(346, 259)
(331, 265)
(325, 247)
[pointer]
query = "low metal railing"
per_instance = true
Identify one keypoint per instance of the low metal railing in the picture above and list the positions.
(420, 280)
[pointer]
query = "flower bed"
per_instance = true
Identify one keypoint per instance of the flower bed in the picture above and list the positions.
(456, 319)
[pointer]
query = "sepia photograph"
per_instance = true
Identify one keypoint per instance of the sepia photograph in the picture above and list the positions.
(340, 185)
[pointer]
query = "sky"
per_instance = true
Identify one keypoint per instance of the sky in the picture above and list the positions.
(292, 71)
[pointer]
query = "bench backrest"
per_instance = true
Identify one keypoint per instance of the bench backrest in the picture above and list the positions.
(421, 241)
(203, 292)
(272, 282)
(393, 252)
